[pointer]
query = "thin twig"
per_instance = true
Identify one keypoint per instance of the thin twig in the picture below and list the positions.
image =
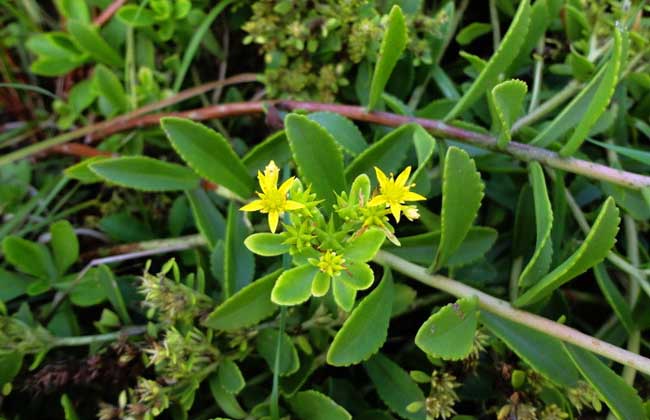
(458, 289)
(108, 12)
(505, 310)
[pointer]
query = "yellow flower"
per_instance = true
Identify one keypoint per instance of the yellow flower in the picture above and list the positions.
(393, 193)
(273, 200)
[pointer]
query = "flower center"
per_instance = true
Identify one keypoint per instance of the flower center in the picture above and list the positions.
(331, 264)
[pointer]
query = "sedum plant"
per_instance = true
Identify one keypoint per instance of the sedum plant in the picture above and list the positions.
(459, 231)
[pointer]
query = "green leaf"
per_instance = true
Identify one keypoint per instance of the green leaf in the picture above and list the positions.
(65, 245)
(266, 244)
(312, 405)
(614, 298)
(394, 386)
(230, 376)
(10, 365)
(194, 44)
(319, 159)
(69, 413)
(135, 16)
(57, 54)
(544, 353)
(82, 172)
(224, 399)
(392, 46)
(472, 31)
(247, 307)
(112, 291)
(357, 275)
(388, 153)
(209, 154)
(294, 285)
(499, 62)
(632, 153)
(88, 39)
(239, 262)
(364, 247)
(73, 10)
(29, 257)
(86, 292)
(267, 343)
(275, 147)
(462, 191)
(344, 295)
(344, 132)
(593, 250)
(419, 248)
(600, 100)
(145, 174)
(207, 218)
(507, 98)
(365, 331)
(540, 262)
(12, 285)
(620, 397)
(449, 333)
(109, 87)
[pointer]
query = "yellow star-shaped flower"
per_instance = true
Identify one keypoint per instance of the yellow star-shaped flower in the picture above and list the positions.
(393, 193)
(273, 200)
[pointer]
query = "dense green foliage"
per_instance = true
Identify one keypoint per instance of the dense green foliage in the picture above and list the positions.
(457, 230)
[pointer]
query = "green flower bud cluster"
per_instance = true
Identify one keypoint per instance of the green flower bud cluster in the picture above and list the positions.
(300, 39)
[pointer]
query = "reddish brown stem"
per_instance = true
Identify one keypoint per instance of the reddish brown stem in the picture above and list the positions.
(81, 150)
(108, 12)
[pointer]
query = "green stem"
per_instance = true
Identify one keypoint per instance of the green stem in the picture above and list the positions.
(496, 28)
(537, 76)
(505, 310)
(632, 246)
(556, 100)
(85, 340)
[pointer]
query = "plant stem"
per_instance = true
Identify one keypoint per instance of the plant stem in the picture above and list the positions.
(556, 100)
(85, 340)
(505, 310)
(537, 76)
(494, 22)
(632, 245)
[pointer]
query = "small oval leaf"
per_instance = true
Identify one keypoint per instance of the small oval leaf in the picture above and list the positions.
(247, 307)
(449, 333)
(365, 331)
(462, 192)
(312, 405)
(317, 155)
(266, 244)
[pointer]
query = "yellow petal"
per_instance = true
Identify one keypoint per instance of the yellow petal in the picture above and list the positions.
(396, 209)
(274, 216)
(284, 188)
(377, 201)
(381, 177)
(411, 196)
(253, 206)
(293, 205)
(404, 176)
